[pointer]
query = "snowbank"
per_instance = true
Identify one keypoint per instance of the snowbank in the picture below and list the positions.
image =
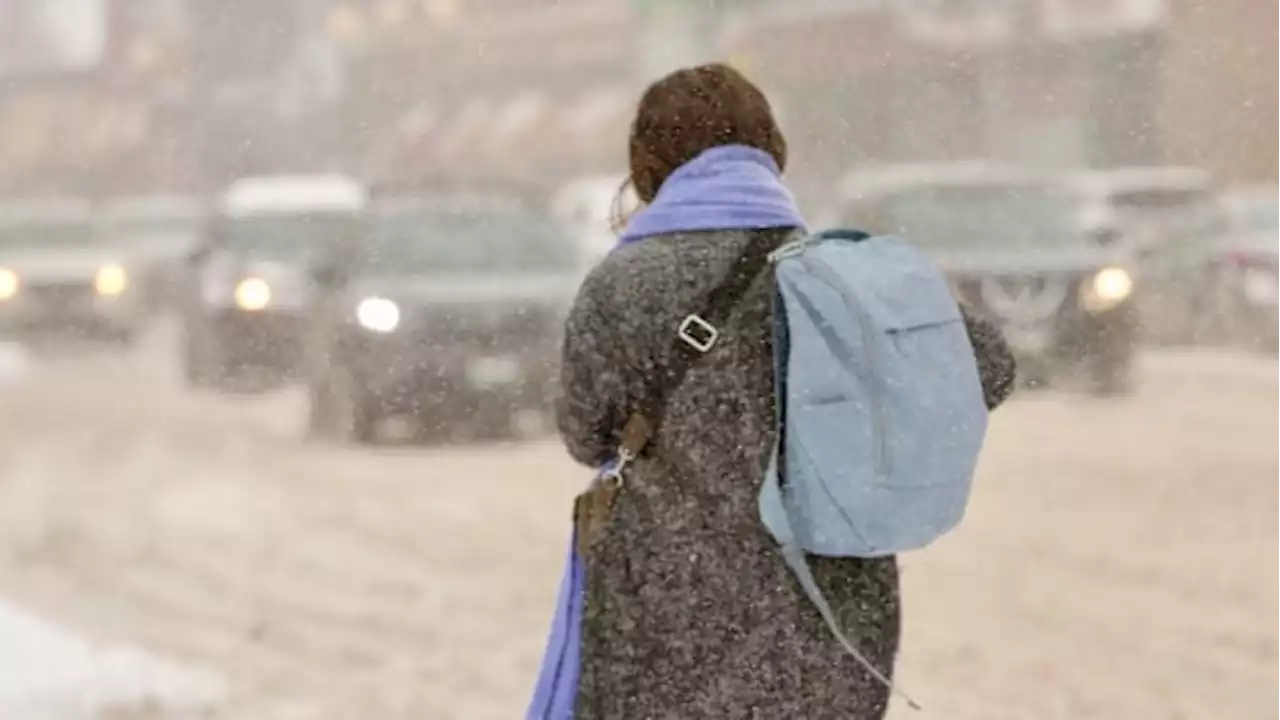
(47, 674)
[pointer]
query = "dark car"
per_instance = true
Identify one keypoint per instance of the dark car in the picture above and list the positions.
(447, 310)
(247, 292)
(58, 278)
(1022, 250)
(1248, 270)
(1175, 226)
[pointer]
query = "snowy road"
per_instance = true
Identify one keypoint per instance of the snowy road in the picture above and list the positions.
(1119, 560)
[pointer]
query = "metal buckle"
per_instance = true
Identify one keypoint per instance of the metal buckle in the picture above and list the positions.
(692, 321)
(613, 473)
(795, 247)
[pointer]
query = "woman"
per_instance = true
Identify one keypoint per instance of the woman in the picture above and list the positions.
(691, 612)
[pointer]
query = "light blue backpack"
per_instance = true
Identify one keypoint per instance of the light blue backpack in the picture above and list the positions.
(881, 409)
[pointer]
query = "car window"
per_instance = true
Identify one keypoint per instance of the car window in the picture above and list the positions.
(284, 238)
(153, 227)
(44, 235)
(428, 240)
(976, 217)
(1262, 216)
(1174, 216)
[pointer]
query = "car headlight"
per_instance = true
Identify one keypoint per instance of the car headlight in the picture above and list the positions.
(378, 314)
(1107, 289)
(252, 294)
(9, 284)
(110, 280)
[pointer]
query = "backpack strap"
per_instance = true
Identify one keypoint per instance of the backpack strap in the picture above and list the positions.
(695, 336)
(776, 516)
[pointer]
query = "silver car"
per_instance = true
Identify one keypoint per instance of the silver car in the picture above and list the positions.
(158, 232)
(58, 277)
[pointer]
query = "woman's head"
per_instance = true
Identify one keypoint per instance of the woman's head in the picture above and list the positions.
(694, 109)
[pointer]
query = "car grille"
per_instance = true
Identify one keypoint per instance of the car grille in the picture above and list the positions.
(1018, 298)
(59, 294)
(484, 329)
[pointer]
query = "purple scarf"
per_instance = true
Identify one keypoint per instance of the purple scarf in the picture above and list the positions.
(732, 187)
(557, 686)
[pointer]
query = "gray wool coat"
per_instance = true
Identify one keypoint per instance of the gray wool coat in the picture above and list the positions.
(691, 613)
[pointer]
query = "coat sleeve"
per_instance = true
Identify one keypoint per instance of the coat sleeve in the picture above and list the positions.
(996, 366)
(590, 402)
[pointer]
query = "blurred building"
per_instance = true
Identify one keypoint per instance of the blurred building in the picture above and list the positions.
(526, 87)
(86, 93)
(1052, 82)
(49, 54)
(405, 87)
(1218, 87)
(132, 95)
(546, 86)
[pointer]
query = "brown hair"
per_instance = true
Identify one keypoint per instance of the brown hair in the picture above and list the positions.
(694, 109)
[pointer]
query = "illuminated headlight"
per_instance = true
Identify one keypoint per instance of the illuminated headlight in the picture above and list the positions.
(1107, 289)
(110, 281)
(252, 294)
(378, 314)
(9, 284)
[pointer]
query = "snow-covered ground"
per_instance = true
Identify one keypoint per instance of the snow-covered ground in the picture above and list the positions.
(50, 674)
(15, 362)
(1119, 560)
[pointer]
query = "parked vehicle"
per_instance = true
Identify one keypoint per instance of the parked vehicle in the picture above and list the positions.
(158, 232)
(446, 309)
(57, 277)
(248, 290)
(1248, 277)
(1171, 219)
(586, 207)
(1252, 210)
(1023, 250)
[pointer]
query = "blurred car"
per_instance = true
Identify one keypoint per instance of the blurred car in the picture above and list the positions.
(586, 206)
(1248, 270)
(1253, 210)
(1171, 220)
(446, 309)
(57, 276)
(1248, 291)
(244, 304)
(1022, 250)
(158, 232)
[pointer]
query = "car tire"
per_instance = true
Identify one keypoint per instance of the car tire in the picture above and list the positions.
(337, 411)
(434, 421)
(496, 425)
(197, 366)
(121, 337)
(1035, 378)
(1111, 374)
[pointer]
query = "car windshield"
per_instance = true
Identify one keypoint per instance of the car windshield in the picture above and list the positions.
(429, 240)
(284, 238)
(154, 226)
(979, 217)
(1262, 216)
(51, 234)
(1172, 214)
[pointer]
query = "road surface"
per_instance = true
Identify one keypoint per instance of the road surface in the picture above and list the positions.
(1119, 559)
